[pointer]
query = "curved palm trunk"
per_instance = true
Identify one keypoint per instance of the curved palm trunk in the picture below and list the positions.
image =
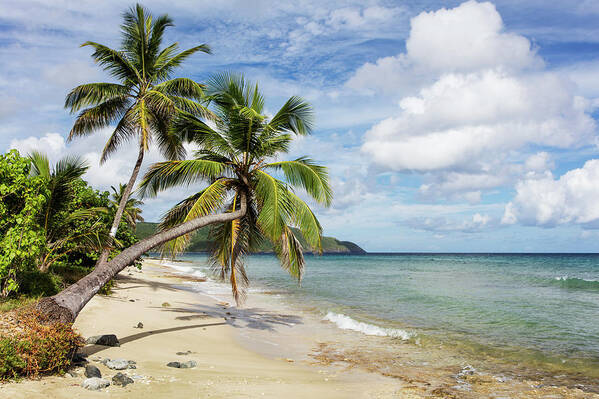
(66, 305)
(119, 212)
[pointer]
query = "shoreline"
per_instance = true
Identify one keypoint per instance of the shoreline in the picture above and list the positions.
(265, 349)
(225, 368)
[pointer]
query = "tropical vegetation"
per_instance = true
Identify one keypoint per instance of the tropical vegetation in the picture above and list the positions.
(53, 225)
(145, 99)
(65, 241)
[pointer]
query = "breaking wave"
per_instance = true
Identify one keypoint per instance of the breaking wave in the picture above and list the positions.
(347, 323)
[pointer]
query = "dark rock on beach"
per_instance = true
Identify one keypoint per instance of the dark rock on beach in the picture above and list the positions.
(92, 371)
(183, 365)
(122, 379)
(106, 340)
(188, 365)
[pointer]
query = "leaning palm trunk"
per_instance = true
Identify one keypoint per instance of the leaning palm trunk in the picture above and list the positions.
(119, 213)
(66, 305)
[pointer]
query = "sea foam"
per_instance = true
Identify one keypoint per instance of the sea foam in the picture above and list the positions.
(347, 323)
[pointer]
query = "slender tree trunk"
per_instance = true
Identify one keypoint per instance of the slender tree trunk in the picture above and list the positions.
(119, 212)
(66, 305)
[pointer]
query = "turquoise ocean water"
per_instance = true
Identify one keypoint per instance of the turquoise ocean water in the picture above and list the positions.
(526, 307)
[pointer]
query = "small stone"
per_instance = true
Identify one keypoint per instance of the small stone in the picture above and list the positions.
(106, 340)
(117, 364)
(183, 353)
(290, 360)
(79, 358)
(132, 366)
(92, 371)
(131, 300)
(166, 305)
(188, 365)
(176, 365)
(95, 384)
(139, 325)
(121, 379)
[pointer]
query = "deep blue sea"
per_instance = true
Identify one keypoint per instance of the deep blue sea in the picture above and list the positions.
(532, 306)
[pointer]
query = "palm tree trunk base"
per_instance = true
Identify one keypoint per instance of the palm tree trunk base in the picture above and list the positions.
(53, 312)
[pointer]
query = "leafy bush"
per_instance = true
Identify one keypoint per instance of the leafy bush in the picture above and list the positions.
(43, 246)
(35, 347)
(36, 283)
(21, 237)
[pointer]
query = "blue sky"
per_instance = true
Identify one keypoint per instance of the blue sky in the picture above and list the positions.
(446, 125)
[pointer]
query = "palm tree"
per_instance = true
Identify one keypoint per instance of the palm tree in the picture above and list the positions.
(60, 238)
(240, 155)
(243, 200)
(144, 101)
(132, 211)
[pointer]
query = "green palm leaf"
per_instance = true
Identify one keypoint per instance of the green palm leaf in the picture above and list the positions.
(163, 175)
(311, 177)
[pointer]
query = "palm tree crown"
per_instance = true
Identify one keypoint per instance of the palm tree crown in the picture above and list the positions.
(132, 212)
(60, 238)
(238, 155)
(144, 100)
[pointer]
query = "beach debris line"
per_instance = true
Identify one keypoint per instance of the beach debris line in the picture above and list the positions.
(105, 339)
(121, 379)
(92, 371)
(95, 383)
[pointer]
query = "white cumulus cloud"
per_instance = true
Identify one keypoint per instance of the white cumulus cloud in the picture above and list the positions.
(473, 98)
(571, 199)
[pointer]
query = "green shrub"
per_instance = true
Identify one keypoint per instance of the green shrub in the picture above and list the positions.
(37, 347)
(12, 365)
(36, 283)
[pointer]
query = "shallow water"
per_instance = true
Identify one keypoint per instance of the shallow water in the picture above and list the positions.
(528, 312)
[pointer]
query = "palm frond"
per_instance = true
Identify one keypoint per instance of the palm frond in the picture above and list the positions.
(163, 175)
(305, 173)
(274, 203)
(201, 204)
(93, 94)
(290, 253)
(164, 71)
(124, 131)
(99, 116)
(40, 165)
(181, 87)
(295, 116)
(114, 62)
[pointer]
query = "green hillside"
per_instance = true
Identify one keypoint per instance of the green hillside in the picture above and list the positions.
(201, 241)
